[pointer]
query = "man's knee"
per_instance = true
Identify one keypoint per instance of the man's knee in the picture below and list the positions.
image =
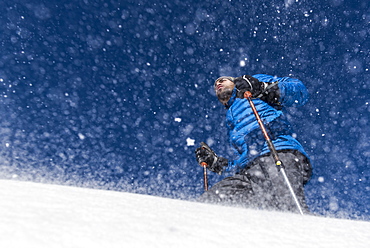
(231, 190)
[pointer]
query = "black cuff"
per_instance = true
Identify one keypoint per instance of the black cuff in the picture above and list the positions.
(272, 96)
(219, 165)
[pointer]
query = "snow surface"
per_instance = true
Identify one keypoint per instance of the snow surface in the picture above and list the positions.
(41, 215)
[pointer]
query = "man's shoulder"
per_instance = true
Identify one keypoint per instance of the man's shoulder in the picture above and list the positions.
(265, 77)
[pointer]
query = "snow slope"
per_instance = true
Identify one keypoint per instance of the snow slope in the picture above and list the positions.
(41, 215)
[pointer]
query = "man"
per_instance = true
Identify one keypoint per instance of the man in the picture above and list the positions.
(256, 181)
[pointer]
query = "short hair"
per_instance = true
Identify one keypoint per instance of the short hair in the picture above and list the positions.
(223, 78)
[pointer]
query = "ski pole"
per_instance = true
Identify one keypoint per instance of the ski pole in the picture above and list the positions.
(205, 176)
(204, 165)
(279, 164)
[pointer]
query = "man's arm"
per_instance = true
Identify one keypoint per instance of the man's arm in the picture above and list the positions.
(287, 92)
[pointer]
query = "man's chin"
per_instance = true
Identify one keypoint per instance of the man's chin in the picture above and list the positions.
(224, 95)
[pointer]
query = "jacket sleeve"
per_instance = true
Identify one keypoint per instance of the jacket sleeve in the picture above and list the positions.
(289, 91)
(242, 160)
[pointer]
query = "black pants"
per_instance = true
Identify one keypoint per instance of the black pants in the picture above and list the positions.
(262, 186)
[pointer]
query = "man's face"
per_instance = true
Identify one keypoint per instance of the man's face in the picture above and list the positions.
(224, 88)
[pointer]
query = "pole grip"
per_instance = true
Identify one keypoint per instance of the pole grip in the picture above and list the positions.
(247, 94)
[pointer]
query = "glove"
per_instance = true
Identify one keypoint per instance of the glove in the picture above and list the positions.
(214, 163)
(251, 84)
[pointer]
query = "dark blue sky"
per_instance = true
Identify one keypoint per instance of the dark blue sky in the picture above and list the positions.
(105, 94)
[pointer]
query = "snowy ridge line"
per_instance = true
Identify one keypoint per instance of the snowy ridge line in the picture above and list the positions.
(42, 215)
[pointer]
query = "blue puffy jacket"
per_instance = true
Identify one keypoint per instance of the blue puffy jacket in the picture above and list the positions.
(244, 132)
